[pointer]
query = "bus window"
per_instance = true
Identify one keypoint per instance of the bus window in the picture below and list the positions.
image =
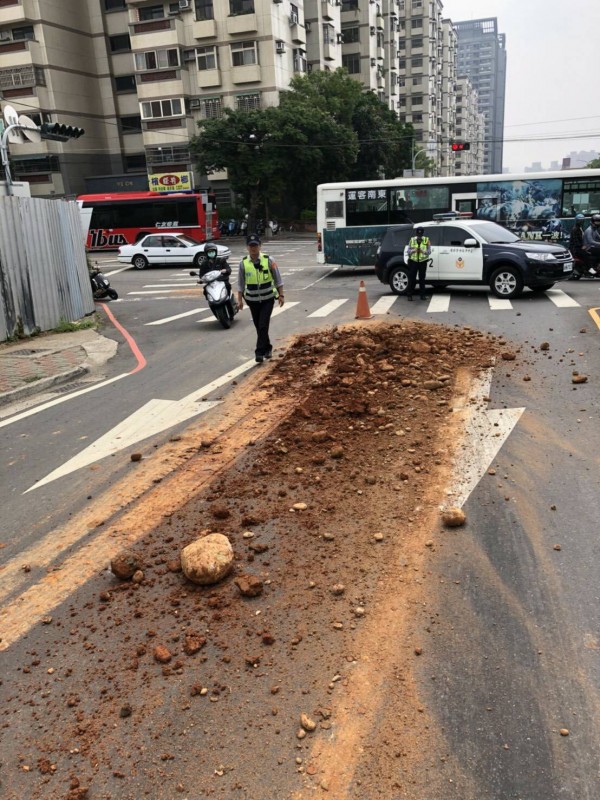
(581, 196)
(366, 207)
(103, 217)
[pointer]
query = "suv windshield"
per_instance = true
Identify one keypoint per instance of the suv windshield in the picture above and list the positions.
(495, 234)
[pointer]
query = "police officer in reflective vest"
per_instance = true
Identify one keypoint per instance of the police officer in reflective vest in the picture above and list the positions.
(259, 284)
(419, 250)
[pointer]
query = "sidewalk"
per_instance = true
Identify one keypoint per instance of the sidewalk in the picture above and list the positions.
(34, 365)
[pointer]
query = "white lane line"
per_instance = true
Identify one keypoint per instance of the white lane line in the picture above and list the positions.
(177, 316)
(331, 271)
(154, 291)
(439, 303)
(30, 412)
(561, 299)
(328, 309)
(499, 303)
(383, 305)
(167, 285)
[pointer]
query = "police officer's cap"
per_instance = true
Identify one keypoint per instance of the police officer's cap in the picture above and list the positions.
(420, 230)
(253, 239)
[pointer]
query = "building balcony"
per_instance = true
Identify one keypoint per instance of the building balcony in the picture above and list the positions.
(156, 33)
(21, 77)
(208, 78)
(297, 32)
(175, 87)
(241, 23)
(16, 12)
(329, 51)
(248, 73)
(204, 29)
(327, 11)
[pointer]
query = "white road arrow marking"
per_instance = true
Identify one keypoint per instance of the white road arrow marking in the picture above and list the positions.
(154, 417)
(486, 430)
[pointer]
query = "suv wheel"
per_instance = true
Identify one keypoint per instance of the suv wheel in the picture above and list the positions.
(398, 280)
(506, 282)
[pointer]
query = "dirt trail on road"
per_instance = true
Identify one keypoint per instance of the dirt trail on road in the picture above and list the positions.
(327, 475)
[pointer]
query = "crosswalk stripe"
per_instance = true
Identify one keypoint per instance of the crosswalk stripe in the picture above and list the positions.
(167, 285)
(177, 316)
(328, 308)
(499, 303)
(439, 303)
(383, 305)
(276, 311)
(560, 299)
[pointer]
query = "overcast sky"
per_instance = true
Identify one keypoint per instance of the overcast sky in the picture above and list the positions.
(553, 75)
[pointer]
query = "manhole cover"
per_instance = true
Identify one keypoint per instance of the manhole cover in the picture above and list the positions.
(26, 352)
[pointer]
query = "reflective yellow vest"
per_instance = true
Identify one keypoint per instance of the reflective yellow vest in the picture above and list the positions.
(259, 284)
(421, 253)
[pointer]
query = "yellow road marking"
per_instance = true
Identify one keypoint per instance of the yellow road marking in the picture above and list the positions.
(595, 315)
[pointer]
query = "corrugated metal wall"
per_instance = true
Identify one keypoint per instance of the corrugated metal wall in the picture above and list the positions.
(43, 267)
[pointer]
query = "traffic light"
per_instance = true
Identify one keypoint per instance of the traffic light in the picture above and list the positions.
(60, 133)
(457, 146)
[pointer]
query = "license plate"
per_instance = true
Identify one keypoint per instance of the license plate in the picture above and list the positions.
(568, 266)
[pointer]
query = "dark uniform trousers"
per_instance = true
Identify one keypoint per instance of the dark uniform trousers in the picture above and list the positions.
(261, 316)
(416, 268)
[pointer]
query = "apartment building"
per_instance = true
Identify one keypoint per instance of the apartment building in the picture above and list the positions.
(470, 127)
(482, 58)
(138, 75)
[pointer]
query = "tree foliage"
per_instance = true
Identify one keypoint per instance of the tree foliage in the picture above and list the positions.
(326, 128)
(594, 164)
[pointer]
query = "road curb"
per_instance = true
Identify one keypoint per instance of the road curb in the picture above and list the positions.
(37, 387)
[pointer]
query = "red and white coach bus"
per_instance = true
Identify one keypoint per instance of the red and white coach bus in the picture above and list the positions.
(112, 220)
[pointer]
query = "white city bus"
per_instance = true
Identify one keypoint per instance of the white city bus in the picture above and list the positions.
(353, 216)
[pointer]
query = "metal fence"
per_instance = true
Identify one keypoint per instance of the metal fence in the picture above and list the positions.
(43, 266)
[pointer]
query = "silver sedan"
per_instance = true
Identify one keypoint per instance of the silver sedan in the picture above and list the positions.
(163, 249)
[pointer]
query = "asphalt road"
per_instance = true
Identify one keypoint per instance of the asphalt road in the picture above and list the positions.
(529, 567)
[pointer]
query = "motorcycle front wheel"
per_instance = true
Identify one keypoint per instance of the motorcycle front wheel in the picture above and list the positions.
(222, 315)
(112, 294)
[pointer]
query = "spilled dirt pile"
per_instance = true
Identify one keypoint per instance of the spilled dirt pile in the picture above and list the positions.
(268, 683)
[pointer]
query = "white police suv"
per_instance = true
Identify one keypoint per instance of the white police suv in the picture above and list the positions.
(467, 251)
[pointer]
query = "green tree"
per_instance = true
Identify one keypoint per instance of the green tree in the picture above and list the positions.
(326, 128)
(594, 164)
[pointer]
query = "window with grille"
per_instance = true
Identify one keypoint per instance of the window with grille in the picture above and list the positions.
(351, 33)
(26, 32)
(206, 57)
(247, 102)
(125, 83)
(328, 34)
(119, 43)
(212, 108)
(130, 124)
(157, 59)
(204, 9)
(151, 12)
(114, 5)
(237, 7)
(352, 63)
(156, 109)
(243, 53)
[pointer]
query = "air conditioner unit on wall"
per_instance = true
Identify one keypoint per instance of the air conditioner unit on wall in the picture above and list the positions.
(4, 36)
(293, 18)
(185, 4)
(195, 102)
(280, 47)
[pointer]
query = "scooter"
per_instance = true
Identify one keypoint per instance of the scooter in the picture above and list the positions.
(222, 304)
(585, 266)
(101, 286)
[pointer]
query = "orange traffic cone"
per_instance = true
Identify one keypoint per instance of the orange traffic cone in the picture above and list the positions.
(362, 306)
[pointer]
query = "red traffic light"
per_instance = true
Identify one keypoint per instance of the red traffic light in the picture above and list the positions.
(461, 146)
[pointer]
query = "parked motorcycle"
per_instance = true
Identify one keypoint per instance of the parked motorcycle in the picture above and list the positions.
(101, 286)
(222, 304)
